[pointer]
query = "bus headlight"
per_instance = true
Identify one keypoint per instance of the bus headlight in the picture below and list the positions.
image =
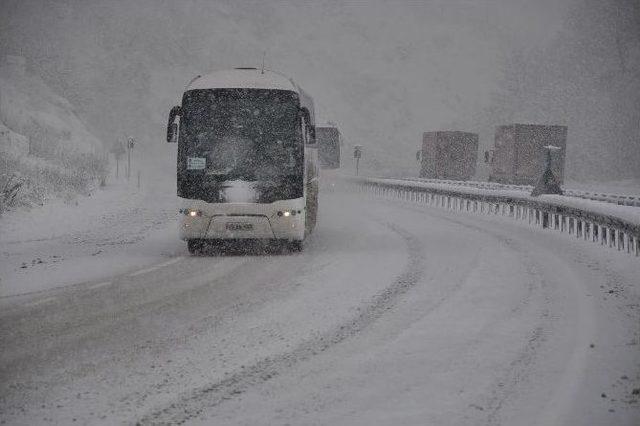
(191, 212)
(287, 213)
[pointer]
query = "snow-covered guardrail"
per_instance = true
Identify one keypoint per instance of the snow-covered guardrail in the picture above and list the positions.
(607, 224)
(619, 199)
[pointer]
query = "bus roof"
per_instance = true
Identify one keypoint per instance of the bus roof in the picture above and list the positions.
(252, 78)
(240, 78)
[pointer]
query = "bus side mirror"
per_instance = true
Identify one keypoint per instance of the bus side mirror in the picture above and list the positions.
(312, 135)
(311, 129)
(172, 133)
(172, 126)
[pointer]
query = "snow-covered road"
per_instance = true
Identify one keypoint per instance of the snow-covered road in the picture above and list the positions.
(394, 313)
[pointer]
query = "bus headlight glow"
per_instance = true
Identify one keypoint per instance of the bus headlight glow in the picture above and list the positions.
(193, 213)
(286, 213)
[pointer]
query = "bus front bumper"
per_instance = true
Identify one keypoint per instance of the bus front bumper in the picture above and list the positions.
(279, 220)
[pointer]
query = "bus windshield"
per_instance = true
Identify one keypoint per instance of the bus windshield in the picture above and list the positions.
(245, 134)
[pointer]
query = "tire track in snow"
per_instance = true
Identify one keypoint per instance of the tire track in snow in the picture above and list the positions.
(522, 366)
(192, 404)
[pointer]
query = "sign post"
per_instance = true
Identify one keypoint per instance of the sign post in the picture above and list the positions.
(357, 154)
(130, 143)
(117, 150)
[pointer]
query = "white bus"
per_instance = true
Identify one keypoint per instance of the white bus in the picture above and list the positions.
(247, 159)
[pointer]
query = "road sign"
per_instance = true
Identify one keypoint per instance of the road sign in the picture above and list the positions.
(357, 151)
(117, 149)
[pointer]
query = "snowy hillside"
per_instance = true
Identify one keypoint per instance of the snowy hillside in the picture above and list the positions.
(46, 150)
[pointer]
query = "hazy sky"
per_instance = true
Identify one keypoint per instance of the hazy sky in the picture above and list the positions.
(385, 71)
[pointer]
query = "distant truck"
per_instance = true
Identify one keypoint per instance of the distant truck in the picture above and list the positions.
(328, 138)
(448, 155)
(518, 157)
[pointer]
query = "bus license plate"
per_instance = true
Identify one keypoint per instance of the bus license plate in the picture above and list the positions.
(239, 226)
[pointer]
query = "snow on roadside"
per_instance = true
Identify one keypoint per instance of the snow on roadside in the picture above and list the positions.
(115, 230)
(630, 187)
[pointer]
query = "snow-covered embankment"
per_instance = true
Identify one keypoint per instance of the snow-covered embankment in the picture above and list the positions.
(46, 150)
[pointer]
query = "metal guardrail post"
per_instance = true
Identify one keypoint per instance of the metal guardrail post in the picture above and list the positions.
(626, 243)
(610, 237)
(620, 240)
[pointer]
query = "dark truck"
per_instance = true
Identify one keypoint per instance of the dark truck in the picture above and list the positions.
(448, 154)
(328, 139)
(518, 157)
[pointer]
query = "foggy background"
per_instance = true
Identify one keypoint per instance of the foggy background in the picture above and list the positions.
(383, 71)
